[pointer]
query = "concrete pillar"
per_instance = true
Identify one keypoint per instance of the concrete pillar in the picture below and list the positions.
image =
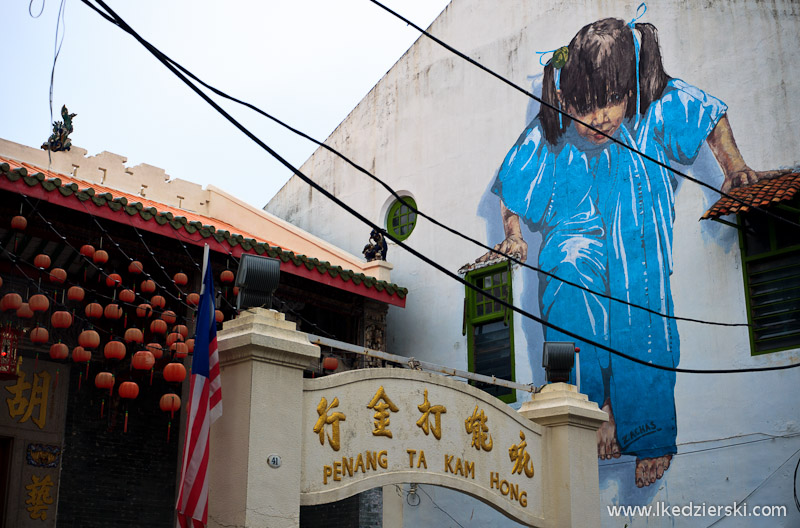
(262, 357)
(572, 497)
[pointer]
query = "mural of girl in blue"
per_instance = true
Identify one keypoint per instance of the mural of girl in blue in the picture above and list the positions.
(605, 214)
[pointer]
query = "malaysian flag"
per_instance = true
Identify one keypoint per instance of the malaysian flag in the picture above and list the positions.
(205, 406)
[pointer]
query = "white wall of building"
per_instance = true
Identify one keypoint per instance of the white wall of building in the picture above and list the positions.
(438, 128)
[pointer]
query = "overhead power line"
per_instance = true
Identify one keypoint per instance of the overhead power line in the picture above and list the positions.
(451, 230)
(120, 22)
(587, 125)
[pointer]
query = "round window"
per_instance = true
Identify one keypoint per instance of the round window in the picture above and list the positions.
(401, 219)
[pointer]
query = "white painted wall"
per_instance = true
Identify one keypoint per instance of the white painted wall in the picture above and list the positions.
(438, 128)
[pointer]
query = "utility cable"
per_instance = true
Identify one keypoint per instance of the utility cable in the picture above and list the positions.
(400, 243)
(451, 230)
(587, 125)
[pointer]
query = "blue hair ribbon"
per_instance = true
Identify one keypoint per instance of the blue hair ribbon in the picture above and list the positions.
(636, 46)
(557, 72)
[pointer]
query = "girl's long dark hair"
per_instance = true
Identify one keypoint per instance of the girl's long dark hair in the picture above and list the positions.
(600, 70)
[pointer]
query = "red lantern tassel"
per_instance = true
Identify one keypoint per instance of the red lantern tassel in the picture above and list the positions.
(87, 369)
(125, 429)
(102, 406)
(55, 384)
(169, 427)
(151, 375)
(80, 378)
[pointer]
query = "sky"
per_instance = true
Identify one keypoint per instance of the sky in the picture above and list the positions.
(307, 62)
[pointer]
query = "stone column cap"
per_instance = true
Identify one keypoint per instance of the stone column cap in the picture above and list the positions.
(561, 404)
(258, 334)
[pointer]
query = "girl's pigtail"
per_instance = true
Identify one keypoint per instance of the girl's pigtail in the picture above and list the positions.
(652, 77)
(547, 116)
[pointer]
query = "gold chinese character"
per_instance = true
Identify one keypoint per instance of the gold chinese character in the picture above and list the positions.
(39, 496)
(381, 415)
(522, 460)
(333, 419)
(21, 405)
(476, 426)
(437, 411)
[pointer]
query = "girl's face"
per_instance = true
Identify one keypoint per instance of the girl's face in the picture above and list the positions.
(608, 119)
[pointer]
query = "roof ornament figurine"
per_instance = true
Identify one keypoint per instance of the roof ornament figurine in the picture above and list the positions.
(377, 247)
(59, 140)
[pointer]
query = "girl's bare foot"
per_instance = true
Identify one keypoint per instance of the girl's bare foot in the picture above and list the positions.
(607, 446)
(648, 470)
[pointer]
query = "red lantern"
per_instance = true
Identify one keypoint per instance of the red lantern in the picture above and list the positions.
(59, 351)
(93, 311)
(135, 267)
(158, 301)
(148, 286)
(87, 251)
(174, 337)
(193, 299)
(104, 380)
(174, 372)
(89, 339)
(41, 261)
(113, 312)
(218, 316)
(61, 319)
(226, 277)
(24, 311)
(143, 360)
(168, 317)
(158, 326)
(134, 335)
(127, 296)
(11, 302)
(330, 363)
(181, 279)
(114, 350)
(182, 330)
(180, 349)
(235, 291)
(58, 276)
(144, 310)
(100, 257)
(19, 223)
(128, 390)
(170, 403)
(155, 349)
(76, 293)
(39, 335)
(113, 280)
(190, 345)
(39, 303)
(81, 355)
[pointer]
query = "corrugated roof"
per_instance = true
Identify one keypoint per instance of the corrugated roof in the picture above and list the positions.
(760, 194)
(158, 217)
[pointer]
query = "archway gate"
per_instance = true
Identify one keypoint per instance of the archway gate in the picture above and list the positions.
(284, 441)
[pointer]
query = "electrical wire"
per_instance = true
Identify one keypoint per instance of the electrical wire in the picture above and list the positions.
(451, 230)
(757, 487)
(60, 22)
(419, 487)
(400, 243)
(587, 125)
(714, 448)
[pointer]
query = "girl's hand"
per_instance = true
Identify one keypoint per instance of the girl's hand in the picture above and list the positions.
(513, 245)
(748, 176)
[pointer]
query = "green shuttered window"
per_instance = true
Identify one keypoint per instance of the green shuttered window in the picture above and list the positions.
(490, 335)
(771, 265)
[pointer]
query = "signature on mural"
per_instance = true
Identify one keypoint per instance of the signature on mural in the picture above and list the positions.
(606, 213)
